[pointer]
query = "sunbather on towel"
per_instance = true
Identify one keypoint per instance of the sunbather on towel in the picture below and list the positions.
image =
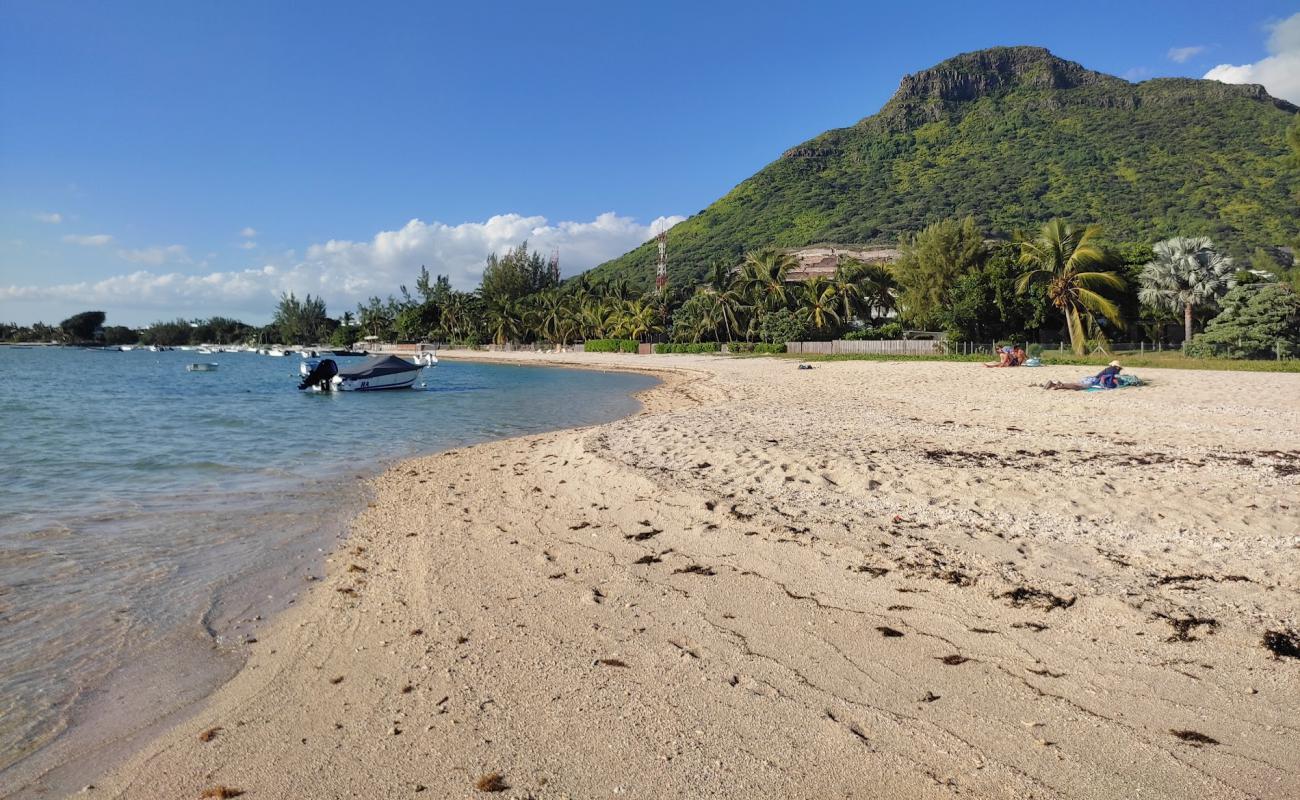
(1108, 378)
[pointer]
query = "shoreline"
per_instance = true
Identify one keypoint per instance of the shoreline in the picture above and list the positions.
(481, 636)
(104, 731)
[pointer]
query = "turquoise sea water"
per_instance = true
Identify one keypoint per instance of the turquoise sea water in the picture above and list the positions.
(136, 496)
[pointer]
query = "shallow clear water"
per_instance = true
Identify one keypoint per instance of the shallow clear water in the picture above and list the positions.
(133, 491)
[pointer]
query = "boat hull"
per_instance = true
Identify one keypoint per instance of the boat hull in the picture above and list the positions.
(403, 380)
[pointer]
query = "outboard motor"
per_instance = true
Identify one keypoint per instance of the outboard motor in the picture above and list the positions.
(321, 375)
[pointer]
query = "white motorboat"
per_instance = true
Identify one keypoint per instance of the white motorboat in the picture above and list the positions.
(374, 374)
(201, 367)
(277, 352)
(426, 359)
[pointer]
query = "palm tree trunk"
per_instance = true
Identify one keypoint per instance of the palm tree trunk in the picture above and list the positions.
(1187, 324)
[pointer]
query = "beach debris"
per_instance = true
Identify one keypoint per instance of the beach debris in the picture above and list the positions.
(1194, 738)
(221, 792)
(695, 569)
(417, 631)
(1022, 596)
(953, 660)
(1185, 627)
(356, 568)
(210, 733)
(642, 536)
(929, 697)
(888, 632)
(1282, 644)
(580, 526)
(874, 572)
(611, 662)
(1036, 627)
(336, 680)
(648, 559)
(491, 782)
(953, 576)
(407, 689)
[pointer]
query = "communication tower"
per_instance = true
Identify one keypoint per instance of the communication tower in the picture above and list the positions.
(661, 269)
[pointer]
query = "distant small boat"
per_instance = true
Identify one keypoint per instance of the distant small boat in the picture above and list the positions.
(202, 367)
(277, 352)
(426, 359)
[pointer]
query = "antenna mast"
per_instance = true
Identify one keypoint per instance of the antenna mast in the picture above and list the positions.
(661, 269)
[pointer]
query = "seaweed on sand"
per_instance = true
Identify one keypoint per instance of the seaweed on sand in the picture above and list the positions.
(1022, 596)
(1282, 644)
(1193, 738)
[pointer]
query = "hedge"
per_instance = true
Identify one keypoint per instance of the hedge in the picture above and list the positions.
(689, 347)
(610, 346)
(755, 347)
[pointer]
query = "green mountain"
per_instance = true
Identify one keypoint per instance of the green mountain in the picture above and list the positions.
(1014, 136)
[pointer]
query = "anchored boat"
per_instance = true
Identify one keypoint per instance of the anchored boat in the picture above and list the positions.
(372, 375)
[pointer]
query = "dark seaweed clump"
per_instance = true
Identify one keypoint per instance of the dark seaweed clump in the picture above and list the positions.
(1282, 644)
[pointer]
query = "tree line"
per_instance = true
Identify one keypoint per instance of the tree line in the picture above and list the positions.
(1062, 281)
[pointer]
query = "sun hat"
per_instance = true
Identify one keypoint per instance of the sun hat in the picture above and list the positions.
(1113, 364)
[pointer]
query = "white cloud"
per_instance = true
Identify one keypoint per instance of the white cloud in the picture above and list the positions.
(1279, 72)
(94, 240)
(247, 245)
(345, 272)
(248, 233)
(155, 256)
(51, 218)
(1182, 55)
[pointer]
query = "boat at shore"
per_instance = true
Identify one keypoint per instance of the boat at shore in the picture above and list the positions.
(377, 373)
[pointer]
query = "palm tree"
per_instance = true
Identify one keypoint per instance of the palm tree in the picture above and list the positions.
(553, 317)
(506, 321)
(762, 277)
(1070, 263)
(1186, 273)
(847, 289)
(641, 319)
(720, 277)
(816, 303)
(877, 286)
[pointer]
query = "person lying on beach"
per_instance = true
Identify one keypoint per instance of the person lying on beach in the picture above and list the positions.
(1004, 359)
(1108, 378)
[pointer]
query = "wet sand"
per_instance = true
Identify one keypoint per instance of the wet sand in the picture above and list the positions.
(868, 579)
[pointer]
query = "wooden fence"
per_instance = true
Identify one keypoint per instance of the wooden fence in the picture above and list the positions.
(892, 347)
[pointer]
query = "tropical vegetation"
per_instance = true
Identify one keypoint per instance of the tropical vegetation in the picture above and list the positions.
(1014, 136)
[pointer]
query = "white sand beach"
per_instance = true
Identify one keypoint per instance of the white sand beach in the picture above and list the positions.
(868, 579)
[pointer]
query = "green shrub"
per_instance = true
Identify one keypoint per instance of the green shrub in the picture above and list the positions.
(754, 347)
(779, 327)
(687, 347)
(610, 346)
(889, 330)
(1035, 350)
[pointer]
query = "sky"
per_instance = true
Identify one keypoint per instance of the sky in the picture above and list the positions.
(165, 159)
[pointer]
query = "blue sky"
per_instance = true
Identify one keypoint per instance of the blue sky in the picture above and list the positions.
(164, 159)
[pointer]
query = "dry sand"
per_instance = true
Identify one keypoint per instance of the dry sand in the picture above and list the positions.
(864, 580)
